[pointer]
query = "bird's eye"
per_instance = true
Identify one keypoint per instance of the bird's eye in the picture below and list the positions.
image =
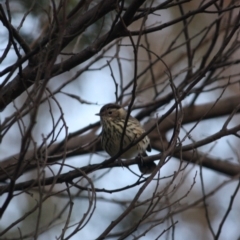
(109, 112)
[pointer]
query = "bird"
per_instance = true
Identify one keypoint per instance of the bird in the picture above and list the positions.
(113, 118)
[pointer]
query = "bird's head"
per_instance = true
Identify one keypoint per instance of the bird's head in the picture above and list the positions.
(112, 111)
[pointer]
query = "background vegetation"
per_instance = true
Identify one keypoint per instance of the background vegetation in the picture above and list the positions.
(173, 64)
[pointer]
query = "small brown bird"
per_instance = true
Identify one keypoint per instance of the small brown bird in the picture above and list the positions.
(113, 118)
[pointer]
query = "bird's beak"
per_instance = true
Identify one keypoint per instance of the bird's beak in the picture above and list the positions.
(97, 114)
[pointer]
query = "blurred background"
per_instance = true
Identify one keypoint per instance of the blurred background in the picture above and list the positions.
(192, 47)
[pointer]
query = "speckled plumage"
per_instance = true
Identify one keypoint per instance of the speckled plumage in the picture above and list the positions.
(113, 118)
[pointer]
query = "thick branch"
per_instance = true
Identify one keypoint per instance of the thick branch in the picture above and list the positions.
(191, 114)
